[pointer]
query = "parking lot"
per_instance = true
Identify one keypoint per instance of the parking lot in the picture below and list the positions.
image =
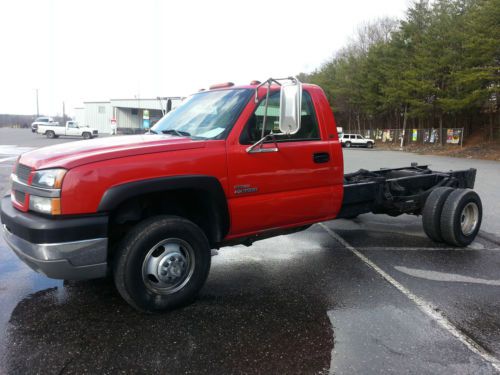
(369, 295)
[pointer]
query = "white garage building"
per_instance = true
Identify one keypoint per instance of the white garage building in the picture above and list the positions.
(131, 115)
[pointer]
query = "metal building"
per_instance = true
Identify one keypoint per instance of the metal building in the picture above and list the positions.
(98, 115)
(129, 115)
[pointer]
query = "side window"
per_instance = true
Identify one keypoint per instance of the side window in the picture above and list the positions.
(308, 123)
(353, 136)
(359, 137)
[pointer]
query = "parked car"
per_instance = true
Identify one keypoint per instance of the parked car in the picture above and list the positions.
(356, 140)
(42, 121)
(71, 129)
(231, 165)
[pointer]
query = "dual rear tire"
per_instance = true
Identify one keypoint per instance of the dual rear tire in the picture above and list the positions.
(452, 216)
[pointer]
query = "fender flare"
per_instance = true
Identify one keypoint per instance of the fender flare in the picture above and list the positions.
(118, 194)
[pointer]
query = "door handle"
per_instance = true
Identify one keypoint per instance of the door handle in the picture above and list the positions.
(321, 157)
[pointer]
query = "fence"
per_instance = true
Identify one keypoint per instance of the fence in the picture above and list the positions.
(452, 136)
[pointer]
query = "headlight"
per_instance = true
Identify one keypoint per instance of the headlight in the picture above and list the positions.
(48, 178)
(50, 206)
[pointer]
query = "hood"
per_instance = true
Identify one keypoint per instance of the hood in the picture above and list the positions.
(73, 154)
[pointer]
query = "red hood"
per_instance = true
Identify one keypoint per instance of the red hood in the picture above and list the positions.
(73, 154)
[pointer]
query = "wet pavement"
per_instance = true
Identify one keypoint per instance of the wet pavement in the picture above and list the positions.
(299, 304)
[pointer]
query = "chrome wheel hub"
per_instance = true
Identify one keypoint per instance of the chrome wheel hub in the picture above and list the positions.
(168, 266)
(469, 218)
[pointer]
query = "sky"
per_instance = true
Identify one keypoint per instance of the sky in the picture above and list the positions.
(84, 50)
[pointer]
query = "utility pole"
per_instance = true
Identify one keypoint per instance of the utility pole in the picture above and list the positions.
(37, 109)
(64, 114)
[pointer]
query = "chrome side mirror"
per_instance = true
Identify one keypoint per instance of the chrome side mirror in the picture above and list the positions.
(290, 107)
(290, 111)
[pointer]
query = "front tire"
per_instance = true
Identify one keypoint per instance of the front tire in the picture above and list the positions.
(162, 263)
(369, 145)
(86, 135)
(461, 217)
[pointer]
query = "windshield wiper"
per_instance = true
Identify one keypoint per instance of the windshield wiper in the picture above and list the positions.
(178, 133)
(151, 131)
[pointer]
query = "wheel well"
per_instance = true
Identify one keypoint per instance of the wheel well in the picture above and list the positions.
(195, 205)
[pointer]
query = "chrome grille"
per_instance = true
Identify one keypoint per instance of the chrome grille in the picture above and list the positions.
(23, 173)
(19, 196)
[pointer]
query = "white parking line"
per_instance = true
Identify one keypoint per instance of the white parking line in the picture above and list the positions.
(408, 248)
(445, 276)
(423, 305)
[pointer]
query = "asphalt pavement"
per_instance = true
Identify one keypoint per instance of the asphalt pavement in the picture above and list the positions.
(371, 295)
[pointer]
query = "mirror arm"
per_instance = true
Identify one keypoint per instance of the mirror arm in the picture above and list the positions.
(268, 82)
(265, 111)
(260, 143)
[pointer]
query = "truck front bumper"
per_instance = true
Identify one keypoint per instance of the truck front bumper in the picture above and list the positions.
(63, 248)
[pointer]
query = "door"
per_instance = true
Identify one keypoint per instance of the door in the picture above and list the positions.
(72, 129)
(287, 187)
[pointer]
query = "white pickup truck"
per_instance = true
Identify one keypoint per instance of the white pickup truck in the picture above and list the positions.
(54, 130)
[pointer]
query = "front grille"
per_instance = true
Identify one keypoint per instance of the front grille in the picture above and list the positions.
(19, 196)
(23, 173)
(95, 131)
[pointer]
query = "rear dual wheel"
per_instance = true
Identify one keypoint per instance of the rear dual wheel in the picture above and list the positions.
(461, 217)
(452, 216)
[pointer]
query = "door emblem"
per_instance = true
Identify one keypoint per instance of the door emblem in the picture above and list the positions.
(244, 189)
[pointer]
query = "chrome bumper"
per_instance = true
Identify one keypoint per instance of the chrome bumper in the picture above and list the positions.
(75, 260)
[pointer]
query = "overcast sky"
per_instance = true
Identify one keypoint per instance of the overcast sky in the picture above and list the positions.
(77, 51)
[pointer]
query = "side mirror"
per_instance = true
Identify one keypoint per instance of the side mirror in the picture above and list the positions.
(290, 107)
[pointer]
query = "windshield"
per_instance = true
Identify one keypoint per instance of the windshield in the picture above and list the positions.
(207, 115)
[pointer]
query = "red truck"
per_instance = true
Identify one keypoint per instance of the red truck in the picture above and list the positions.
(231, 165)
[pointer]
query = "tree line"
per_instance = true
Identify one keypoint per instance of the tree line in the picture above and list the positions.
(438, 67)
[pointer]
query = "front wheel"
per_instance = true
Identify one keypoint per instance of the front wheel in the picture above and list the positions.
(162, 263)
(369, 145)
(86, 135)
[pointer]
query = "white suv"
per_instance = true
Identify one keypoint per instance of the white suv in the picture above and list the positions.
(351, 140)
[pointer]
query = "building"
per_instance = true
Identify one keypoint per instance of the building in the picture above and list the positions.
(130, 115)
